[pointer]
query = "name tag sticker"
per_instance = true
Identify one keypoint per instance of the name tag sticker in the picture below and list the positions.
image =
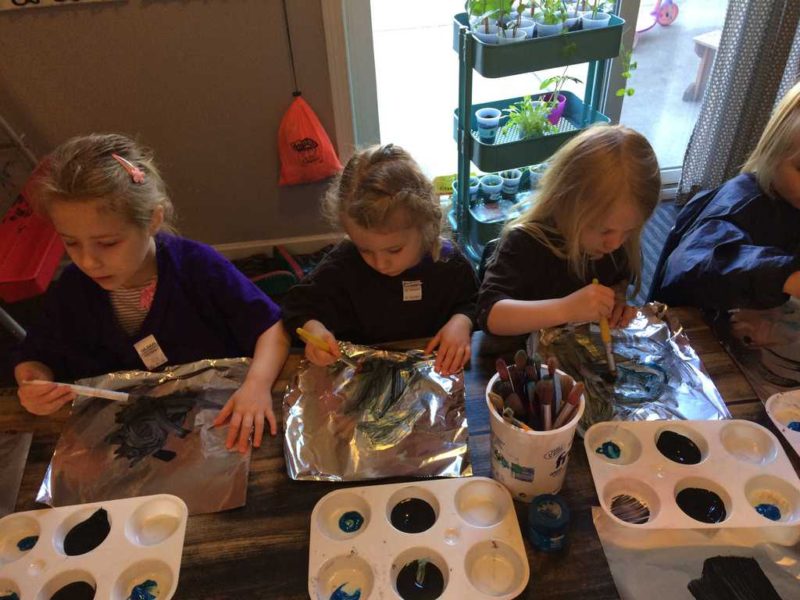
(412, 291)
(150, 352)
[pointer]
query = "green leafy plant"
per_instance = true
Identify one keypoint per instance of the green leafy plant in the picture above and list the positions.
(484, 11)
(557, 83)
(552, 12)
(628, 67)
(530, 118)
(598, 6)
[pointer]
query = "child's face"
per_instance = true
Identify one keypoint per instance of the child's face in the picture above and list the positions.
(389, 251)
(786, 180)
(611, 231)
(109, 249)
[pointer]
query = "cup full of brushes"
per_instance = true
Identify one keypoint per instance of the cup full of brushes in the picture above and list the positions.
(534, 411)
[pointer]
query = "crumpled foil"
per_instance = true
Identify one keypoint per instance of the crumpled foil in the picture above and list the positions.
(160, 443)
(659, 375)
(13, 456)
(390, 416)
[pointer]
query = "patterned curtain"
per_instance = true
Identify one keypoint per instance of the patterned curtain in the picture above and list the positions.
(758, 60)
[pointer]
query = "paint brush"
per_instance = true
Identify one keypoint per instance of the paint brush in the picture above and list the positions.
(605, 335)
(497, 402)
(504, 373)
(508, 416)
(83, 390)
(545, 389)
(318, 342)
(570, 405)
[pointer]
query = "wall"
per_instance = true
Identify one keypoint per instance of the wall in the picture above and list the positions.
(203, 82)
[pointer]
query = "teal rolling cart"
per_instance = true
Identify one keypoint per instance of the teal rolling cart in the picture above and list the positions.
(472, 227)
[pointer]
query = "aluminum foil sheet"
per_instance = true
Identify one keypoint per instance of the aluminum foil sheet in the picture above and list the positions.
(13, 456)
(162, 442)
(658, 372)
(765, 344)
(385, 414)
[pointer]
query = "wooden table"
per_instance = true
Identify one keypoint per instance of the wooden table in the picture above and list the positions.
(261, 550)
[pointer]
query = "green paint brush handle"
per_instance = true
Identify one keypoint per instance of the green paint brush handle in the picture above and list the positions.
(87, 391)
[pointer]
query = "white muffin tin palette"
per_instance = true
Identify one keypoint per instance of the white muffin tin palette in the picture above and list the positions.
(784, 410)
(474, 543)
(142, 548)
(740, 462)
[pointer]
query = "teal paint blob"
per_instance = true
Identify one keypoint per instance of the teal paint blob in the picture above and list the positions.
(9, 596)
(351, 521)
(144, 591)
(609, 449)
(27, 543)
(340, 594)
(770, 511)
(794, 425)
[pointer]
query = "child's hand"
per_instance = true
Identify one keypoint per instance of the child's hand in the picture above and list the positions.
(589, 303)
(247, 409)
(622, 314)
(315, 355)
(40, 399)
(453, 341)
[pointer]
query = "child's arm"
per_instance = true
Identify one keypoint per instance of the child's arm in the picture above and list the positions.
(252, 403)
(516, 317)
(453, 341)
(622, 314)
(40, 399)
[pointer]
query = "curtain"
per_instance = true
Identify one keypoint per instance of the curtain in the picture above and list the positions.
(758, 60)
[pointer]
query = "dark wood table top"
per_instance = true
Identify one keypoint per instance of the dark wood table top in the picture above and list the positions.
(261, 550)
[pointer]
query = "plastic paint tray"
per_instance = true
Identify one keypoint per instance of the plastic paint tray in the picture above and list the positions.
(740, 461)
(145, 542)
(475, 541)
(784, 410)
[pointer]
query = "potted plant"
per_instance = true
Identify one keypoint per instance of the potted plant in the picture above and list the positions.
(511, 179)
(555, 100)
(595, 18)
(550, 17)
(529, 117)
(483, 19)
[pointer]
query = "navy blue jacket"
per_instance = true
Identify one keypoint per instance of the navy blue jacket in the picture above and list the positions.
(203, 308)
(732, 247)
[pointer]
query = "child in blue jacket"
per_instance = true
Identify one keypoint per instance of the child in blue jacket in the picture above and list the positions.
(738, 246)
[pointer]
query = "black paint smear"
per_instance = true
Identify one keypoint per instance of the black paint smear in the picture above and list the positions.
(78, 590)
(432, 584)
(413, 516)
(678, 448)
(145, 425)
(87, 535)
(702, 505)
(732, 578)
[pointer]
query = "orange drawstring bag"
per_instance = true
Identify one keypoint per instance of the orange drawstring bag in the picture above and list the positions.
(305, 150)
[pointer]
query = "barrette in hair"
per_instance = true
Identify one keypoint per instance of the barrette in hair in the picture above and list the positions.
(137, 175)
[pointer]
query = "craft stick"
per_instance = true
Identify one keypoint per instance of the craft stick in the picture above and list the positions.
(556, 393)
(86, 391)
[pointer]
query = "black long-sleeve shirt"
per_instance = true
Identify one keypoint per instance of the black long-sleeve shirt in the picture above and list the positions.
(359, 304)
(522, 268)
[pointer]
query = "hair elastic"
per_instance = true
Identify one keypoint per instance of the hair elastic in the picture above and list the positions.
(137, 175)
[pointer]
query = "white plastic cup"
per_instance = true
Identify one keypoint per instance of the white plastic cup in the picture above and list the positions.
(530, 463)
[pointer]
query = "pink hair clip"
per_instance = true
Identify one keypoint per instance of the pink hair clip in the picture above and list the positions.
(137, 175)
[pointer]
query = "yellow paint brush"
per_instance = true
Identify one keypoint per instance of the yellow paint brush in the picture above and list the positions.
(605, 335)
(310, 338)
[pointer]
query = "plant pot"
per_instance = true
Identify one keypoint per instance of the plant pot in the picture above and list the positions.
(555, 114)
(479, 31)
(474, 188)
(600, 19)
(546, 30)
(511, 179)
(517, 35)
(491, 188)
(488, 121)
(528, 26)
(573, 19)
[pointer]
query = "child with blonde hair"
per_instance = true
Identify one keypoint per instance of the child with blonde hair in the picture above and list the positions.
(393, 278)
(584, 224)
(136, 296)
(738, 246)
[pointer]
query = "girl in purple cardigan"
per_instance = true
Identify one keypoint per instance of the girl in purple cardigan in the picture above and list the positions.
(137, 296)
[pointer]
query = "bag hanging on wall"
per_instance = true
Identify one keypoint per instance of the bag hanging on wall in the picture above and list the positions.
(305, 150)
